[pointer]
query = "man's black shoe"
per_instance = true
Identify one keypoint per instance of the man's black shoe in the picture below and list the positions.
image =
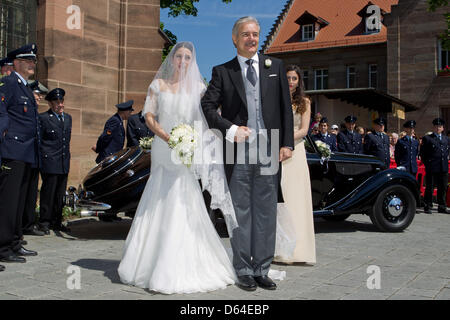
(45, 230)
(33, 231)
(13, 258)
(265, 282)
(427, 210)
(246, 283)
(61, 227)
(25, 252)
(2, 268)
(443, 210)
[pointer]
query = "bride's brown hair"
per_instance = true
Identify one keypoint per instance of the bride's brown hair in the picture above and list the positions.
(299, 99)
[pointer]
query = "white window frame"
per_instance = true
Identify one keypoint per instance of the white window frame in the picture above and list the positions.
(370, 75)
(305, 32)
(351, 73)
(441, 64)
(321, 76)
(305, 78)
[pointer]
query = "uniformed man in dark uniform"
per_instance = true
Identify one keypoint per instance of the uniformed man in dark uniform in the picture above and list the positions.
(324, 136)
(20, 150)
(407, 149)
(56, 129)
(434, 155)
(29, 225)
(112, 139)
(137, 129)
(6, 66)
(348, 140)
(4, 122)
(377, 143)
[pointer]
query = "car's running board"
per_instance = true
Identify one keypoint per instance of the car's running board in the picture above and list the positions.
(323, 213)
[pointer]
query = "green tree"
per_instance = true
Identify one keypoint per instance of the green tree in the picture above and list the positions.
(445, 37)
(182, 7)
(172, 38)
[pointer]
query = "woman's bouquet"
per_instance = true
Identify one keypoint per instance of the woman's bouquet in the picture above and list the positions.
(183, 140)
(324, 148)
(146, 143)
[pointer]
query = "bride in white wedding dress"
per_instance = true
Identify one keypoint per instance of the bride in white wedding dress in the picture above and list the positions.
(172, 246)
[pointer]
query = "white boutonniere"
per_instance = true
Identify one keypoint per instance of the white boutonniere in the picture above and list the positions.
(268, 63)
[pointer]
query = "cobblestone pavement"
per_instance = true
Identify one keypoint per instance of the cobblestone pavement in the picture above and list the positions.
(414, 264)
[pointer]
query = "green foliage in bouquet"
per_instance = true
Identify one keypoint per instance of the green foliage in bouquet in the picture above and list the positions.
(324, 149)
(146, 143)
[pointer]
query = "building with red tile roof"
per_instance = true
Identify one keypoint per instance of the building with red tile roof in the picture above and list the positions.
(362, 57)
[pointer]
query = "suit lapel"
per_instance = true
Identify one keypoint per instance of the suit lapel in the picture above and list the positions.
(27, 91)
(236, 78)
(53, 118)
(263, 76)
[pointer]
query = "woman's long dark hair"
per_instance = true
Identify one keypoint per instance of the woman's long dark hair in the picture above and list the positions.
(299, 98)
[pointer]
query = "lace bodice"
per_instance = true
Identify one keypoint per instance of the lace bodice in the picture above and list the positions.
(175, 109)
(297, 120)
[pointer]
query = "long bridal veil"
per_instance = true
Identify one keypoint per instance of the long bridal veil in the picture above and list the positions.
(179, 75)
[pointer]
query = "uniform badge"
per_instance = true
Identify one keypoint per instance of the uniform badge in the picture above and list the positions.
(108, 132)
(25, 109)
(3, 99)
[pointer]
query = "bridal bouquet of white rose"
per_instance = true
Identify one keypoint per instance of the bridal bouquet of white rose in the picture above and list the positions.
(183, 140)
(146, 143)
(324, 148)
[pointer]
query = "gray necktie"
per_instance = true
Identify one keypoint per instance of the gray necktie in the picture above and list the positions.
(251, 73)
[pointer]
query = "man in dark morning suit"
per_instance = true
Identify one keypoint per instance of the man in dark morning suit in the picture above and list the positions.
(20, 150)
(377, 143)
(254, 94)
(29, 226)
(434, 154)
(56, 130)
(324, 136)
(348, 140)
(137, 129)
(112, 139)
(407, 149)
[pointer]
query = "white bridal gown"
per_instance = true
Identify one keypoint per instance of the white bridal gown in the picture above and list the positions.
(172, 246)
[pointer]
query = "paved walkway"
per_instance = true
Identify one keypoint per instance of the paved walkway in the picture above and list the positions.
(414, 264)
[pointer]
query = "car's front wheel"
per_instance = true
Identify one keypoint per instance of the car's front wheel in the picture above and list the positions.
(394, 209)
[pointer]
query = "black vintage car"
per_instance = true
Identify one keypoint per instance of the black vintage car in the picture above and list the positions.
(341, 185)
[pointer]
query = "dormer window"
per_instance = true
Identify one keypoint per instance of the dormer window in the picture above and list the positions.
(308, 32)
(310, 26)
(372, 18)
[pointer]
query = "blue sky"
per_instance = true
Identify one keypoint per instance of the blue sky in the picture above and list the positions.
(210, 31)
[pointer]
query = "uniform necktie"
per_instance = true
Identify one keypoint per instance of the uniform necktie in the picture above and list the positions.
(251, 73)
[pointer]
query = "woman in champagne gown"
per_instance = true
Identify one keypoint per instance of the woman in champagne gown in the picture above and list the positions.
(295, 234)
(172, 246)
